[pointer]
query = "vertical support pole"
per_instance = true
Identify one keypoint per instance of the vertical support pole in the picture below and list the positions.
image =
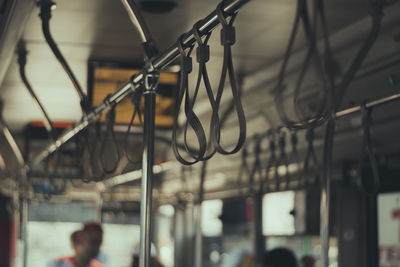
(179, 235)
(17, 220)
(325, 192)
(198, 253)
(25, 229)
(371, 233)
(99, 206)
(259, 241)
(147, 177)
(198, 245)
(190, 234)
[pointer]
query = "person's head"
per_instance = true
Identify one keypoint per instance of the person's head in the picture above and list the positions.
(76, 239)
(279, 257)
(307, 261)
(92, 236)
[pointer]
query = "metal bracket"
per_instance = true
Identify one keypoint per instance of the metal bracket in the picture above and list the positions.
(151, 81)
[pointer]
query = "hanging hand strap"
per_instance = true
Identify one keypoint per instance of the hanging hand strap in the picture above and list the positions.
(97, 170)
(45, 188)
(369, 187)
(327, 83)
(110, 120)
(136, 100)
(272, 163)
(282, 160)
(79, 150)
(228, 38)
(194, 122)
(310, 155)
(244, 169)
(376, 15)
(256, 167)
(294, 157)
(202, 57)
(313, 57)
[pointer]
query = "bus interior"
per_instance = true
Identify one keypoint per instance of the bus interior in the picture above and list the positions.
(203, 133)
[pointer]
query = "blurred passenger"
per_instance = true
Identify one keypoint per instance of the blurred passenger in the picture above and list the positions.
(280, 257)
(86, 244)
(75, 238)
(307, 261)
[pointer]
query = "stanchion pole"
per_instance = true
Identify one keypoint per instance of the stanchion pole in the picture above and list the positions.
(325, 192)
(151, 82)
(259, 240)
(25, 229)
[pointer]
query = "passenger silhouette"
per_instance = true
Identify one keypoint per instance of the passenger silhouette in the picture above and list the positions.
(280, 257)
(307, 261)
(86, 245)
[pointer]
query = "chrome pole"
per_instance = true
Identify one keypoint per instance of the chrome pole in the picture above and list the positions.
(198, 246)
(259, 240)
(370, 104)
(24, 231)
(325, 192)
(17, 220)
(147, 178)
(137, 20)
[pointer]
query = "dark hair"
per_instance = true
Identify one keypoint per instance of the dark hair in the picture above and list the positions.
(280, 257)
(92, 226)
(76, 237)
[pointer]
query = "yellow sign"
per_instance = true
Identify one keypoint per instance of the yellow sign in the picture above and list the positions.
(107, 80)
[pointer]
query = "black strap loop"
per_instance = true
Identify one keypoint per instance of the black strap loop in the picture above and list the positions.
(325, 74)
(207, 149)
(203, 54)
(192, 119)
(256, 167)
(136, 101)
(227, 67)
(244, 169)
(228, 33)
(110, 120)
(95, 163)
(203, 49)
(369, 187)
(272, 162)
(283, 160)
(294, 157)
(80, 145)
(310, 155)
